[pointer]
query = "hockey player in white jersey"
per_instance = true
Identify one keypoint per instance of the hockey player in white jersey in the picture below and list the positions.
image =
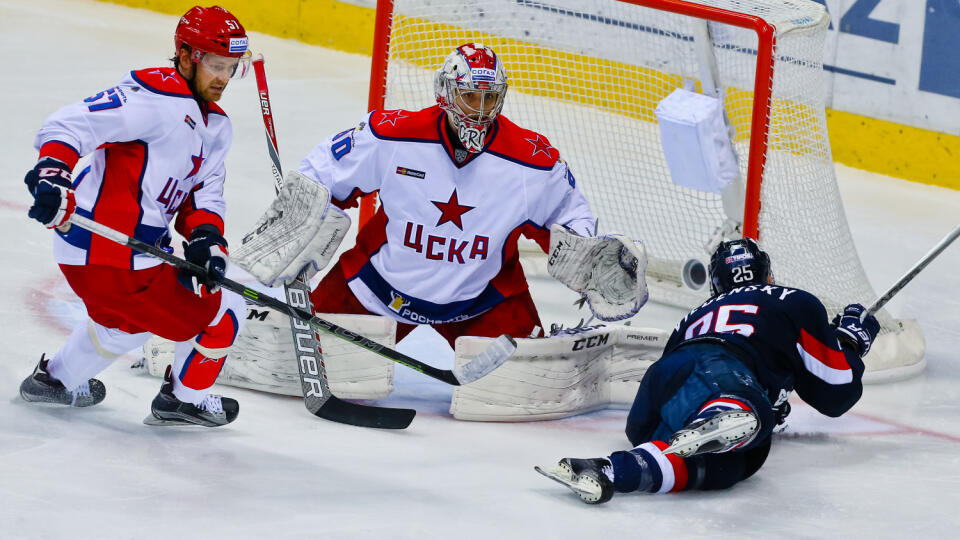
(158, 141)
(458, 184)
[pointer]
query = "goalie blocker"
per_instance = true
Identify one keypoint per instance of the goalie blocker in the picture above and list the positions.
(300, 230)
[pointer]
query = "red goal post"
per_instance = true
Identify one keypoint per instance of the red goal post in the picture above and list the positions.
(589, 74)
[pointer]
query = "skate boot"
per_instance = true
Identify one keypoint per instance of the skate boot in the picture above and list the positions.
(591, 479)
(41, 387)
(720, 432)
(167, 410)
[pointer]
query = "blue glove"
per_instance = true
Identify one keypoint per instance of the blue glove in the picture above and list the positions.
(208, 249)
(854, 332)
(53, 197)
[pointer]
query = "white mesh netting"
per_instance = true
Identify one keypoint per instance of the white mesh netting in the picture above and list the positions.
(588, 74)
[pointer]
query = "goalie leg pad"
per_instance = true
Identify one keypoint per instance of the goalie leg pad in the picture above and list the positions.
(576, 371)
(609, 271)
(299, 230)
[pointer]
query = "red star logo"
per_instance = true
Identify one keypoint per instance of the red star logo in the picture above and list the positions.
(391, 116)
(539, 145)
(197, 161)
(163, 75)
(452, 210)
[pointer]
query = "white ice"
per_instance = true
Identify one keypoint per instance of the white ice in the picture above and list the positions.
(889, 469)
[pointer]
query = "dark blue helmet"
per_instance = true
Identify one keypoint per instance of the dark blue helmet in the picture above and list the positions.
(737, 263)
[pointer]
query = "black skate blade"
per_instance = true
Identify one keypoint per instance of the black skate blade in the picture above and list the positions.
(152, 420)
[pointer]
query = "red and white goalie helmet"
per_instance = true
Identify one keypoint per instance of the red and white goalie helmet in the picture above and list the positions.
(470, 86)
(216, 38)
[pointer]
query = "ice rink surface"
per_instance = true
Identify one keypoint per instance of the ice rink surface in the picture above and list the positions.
(889, 469)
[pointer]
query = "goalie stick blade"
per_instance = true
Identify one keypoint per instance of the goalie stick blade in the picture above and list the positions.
(345, 412)
(488, 360)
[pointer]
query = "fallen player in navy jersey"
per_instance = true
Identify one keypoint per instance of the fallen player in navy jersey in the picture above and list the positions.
(703, 415)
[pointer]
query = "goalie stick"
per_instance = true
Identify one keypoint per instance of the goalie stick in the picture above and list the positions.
(317, 397)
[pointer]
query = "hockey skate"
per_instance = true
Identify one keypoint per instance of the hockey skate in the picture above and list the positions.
(721, 432)
(591, 479)
(41, 387)
(167, 410)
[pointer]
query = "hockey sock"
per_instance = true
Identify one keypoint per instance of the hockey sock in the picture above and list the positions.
(647, 468)
(90, 349)
(198, 362)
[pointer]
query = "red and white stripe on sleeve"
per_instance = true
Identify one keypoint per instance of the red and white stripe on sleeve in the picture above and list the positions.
(827, 363)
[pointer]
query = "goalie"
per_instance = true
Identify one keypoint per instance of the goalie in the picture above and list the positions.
(458, 184)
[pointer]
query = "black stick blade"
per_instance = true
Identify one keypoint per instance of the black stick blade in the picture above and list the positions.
(344, 412)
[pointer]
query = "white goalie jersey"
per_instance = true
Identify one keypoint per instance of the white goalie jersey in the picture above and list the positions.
(443, 247)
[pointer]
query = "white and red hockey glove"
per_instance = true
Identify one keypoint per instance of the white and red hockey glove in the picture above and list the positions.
(53, 199)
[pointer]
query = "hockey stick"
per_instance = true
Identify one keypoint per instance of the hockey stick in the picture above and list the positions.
(912, 273)
(317, 397)
(488, 360)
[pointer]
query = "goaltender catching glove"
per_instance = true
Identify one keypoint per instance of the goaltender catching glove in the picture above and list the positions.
(609, 271)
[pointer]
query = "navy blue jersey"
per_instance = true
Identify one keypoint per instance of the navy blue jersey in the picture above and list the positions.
(784, 335)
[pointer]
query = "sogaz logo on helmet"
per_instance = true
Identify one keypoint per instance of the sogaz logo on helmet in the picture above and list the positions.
(238, 44)
(483, 74)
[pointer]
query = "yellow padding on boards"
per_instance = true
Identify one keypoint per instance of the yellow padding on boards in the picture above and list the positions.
(332, 24)
(920, 155)
(897, 150)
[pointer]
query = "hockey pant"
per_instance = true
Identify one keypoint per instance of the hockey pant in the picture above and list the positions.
(690, 381)
(126, 306)
(516, 316)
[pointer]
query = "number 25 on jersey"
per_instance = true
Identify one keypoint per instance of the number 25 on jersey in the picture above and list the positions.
(718, 321)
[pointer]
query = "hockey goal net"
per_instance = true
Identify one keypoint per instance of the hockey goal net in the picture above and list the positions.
(588, 74)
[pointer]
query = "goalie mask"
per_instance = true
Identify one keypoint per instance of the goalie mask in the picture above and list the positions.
(470, 86)
(737, 263)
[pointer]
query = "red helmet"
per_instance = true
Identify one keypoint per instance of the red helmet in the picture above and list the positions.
(211, 29)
